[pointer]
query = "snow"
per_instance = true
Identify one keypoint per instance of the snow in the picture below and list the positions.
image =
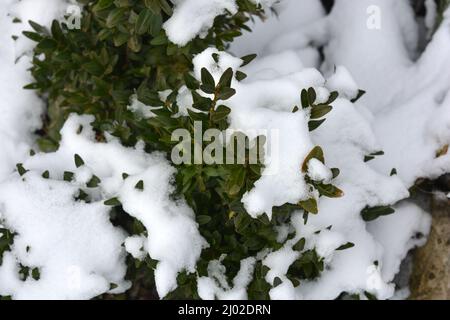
(195, 17)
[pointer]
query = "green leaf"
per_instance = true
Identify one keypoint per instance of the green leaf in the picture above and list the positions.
(372, 213)
(200, 102)
(46, 174)
(304, 99)
(139, 185)
(309, 205)
(240, 75)
(68, 176)
(155, 24)
(203, 219)
(247, 59)
(112, 202)
(373, 155)
(276, 282)
(312, 96)
(330, 191)
(225, 79)
(191, 82)
(226, 93)
(348, 245)
(314, 124)
(159, 40)
(102, 4)
(115, 16)
(78, 161)
(165, 7)
(333, 96)
(36, 37)
(221, 113)
(315, 153)
(120, 39)
(207, 79)
(94, 68)
(236, 181)
(143, 22)
(56, 31)
(37, 27)
(335, 172)
(300, 245)
(46, 45)
(93, 182)
(20, 169)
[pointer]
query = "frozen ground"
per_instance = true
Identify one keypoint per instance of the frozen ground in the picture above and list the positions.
(370, 45)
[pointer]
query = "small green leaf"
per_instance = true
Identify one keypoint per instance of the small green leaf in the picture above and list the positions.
(115, 16)
(330, 191)
(335, 172)
(304, 99)
(221, 113)
(207, 78)
(315, 153)
(309, 205)
(312, 96)
(78, 161)
(191, 82)
(226, 93)
(37, 27)
(348, 245)
(143, 22)
(68, 176)
(240, 75)
(225, 79)
(333, 96)
(300, 245)
(93, 182)
(46, 174)
(276, 282)
(314, 124)
(359, 96)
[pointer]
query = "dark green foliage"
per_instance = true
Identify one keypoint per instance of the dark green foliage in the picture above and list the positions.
(122, 50)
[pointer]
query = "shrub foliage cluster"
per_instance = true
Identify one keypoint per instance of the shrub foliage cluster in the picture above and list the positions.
(122, 50)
